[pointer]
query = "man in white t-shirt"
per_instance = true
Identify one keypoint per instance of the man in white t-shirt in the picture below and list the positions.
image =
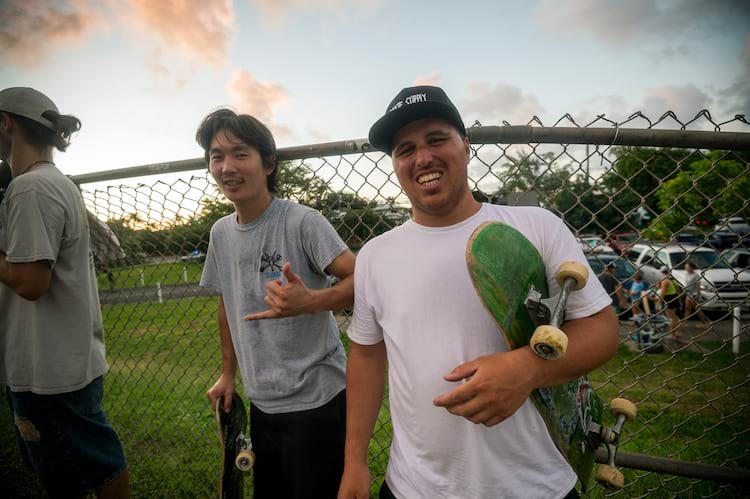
(463, 423)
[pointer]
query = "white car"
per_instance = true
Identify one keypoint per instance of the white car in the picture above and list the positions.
(594, 244)
(722, 287)
(737, 225)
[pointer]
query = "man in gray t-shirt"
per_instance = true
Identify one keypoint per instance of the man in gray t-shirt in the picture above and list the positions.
(270, 261)
(51, 335)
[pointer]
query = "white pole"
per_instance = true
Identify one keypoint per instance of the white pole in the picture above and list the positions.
(736, 330)
(158, 292)
(184, 273)
(143, 282)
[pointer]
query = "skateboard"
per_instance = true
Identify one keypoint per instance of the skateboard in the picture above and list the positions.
(237, 455)
(509, 277)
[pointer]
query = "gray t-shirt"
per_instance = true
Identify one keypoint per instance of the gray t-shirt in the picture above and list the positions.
(56, 343)
(288, 364)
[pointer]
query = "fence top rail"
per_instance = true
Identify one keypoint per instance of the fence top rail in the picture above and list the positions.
(510, 134)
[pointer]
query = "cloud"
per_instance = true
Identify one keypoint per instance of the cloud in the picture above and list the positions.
(492, 106)
(684, 100)
(616, 21)
(273, 13)
(258, 98)
(735, 99)
(198, 28)
(431, 79)
(30, 29)
(613, 107)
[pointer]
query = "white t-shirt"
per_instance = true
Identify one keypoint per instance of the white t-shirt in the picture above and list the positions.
(413, 290)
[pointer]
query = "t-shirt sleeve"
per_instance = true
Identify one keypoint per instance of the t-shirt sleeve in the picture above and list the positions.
(364, 328)
(210, 276)
(35, 227)
(560, 247)
(320, 240)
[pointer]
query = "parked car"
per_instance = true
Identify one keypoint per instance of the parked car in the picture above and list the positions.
(194, 256)
(722, 287)
(738, 258)
(624, 269)
(621, 241)
(696, 238)
(736, 225)
(594, 243)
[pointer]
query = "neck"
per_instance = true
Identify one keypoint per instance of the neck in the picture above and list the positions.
(466, 208)
(250, 212)
(24, 156)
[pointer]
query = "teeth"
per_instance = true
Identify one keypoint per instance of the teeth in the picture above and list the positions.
(429, 177)
(232, 182)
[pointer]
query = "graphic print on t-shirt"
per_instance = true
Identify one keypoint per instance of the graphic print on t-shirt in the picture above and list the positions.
(270, 265)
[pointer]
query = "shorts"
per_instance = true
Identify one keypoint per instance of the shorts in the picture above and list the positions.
(299, 454)
(66, 439)
(672, 301)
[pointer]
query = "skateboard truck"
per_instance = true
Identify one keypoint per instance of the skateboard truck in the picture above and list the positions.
(608, 475)
(548, 341)
(245, 455)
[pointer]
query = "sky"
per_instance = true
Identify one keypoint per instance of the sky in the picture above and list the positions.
(141, 74)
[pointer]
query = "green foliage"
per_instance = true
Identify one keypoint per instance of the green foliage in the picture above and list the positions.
(707, 189)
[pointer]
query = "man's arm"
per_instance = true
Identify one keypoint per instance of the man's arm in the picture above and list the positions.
(294, 298)
(498, 384)
(365, 381)
(28, 280)
(224, 386)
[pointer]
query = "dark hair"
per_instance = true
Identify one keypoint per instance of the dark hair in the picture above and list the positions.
(40, 136)
(246, 128)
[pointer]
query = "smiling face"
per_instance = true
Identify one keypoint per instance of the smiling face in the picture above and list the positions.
(240, 174)
(430, 158)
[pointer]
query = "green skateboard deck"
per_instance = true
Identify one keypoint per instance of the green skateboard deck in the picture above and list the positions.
(234, 444)
(506, 269)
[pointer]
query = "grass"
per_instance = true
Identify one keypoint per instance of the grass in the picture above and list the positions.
(163, 358)
(149, 275)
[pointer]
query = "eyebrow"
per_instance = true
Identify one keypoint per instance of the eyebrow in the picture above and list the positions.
(233, 149)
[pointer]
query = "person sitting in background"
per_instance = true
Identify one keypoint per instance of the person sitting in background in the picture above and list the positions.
(637, 293)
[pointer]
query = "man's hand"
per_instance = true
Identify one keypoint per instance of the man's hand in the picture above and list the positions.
(224, 387)
(496, 386)
(284, 300)
(355, 483)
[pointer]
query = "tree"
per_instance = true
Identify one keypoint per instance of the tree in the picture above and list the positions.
(638, 173)
(708, 189)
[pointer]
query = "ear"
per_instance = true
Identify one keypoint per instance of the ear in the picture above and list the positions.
(467, 149)
(269, 169)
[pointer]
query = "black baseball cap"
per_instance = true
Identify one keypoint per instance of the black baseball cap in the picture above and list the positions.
(412, 104)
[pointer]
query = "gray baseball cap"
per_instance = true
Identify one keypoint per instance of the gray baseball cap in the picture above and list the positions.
(29, 103)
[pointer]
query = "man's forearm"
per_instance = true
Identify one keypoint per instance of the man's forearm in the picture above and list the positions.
(365, 382)
(592, 341)
(228, 356)
(336, 297)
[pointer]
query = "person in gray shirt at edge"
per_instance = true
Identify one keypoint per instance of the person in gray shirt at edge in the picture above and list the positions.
(51, 336)
(270, 261)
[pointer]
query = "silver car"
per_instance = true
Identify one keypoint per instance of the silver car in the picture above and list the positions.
(722, 287)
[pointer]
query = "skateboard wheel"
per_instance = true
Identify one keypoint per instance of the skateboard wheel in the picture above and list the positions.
(548, 342)
(574, 270)
(609, 477)
(245, 460)
(623, 406)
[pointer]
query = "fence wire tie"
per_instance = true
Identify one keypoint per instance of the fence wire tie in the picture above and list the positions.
(614, 139)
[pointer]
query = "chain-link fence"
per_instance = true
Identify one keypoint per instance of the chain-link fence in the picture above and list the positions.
(640, 195)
